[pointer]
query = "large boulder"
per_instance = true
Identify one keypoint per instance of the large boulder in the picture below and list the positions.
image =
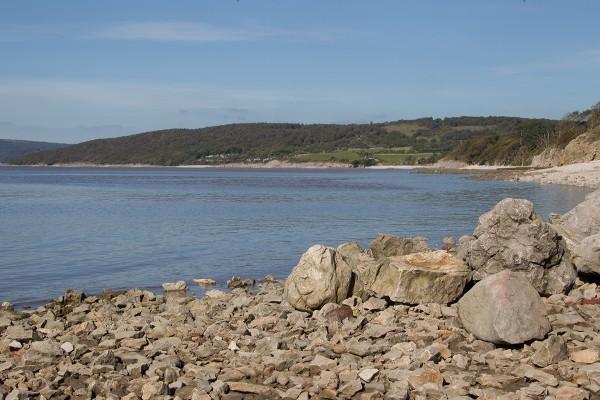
(504, 309)
(580, 228)
(429, 277)
(363, 265)
(320, 277)
(390, 246)
(586, 255)
(583, 220)
(512, 236)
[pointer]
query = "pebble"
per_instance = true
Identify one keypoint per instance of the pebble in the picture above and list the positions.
(67, 347)
(15, 345)
(368, 374)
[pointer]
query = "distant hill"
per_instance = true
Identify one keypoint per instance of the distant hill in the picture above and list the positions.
(13, 149)
(405, 141)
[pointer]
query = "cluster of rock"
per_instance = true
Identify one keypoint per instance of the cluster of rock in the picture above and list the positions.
(254, 345)
(503, 315)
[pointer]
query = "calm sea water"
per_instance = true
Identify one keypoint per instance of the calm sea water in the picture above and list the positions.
(97, 228)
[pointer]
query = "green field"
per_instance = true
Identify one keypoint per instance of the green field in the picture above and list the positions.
(389, 156)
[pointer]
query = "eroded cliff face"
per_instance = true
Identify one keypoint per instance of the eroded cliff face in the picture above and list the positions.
(584, 148)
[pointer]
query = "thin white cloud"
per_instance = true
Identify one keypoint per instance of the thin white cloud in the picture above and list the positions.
(581, 60)
(158, 31)
(180, 31)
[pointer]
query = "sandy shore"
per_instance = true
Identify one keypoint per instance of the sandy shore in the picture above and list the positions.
(585, 174)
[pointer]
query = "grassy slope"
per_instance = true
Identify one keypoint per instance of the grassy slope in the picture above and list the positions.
(388, 156)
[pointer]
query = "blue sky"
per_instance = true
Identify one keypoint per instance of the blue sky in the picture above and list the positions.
(77, 70)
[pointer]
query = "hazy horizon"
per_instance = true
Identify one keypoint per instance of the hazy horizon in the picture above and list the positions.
(75, 71)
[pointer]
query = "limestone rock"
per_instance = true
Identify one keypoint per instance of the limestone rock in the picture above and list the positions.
(15, 345)
(178, 286)
(152, 389)
(551, 351)
(204, 282)
(586, 356)
(368, 374)
(512, 236)
(571, 393)
(431, 277)
(67, 347)
(349, 389)
(42, 352)
(244, 387)
(583, 220)
(364, 267)
(374, 304)
(18, 332)
(237, 282)
(586, 255)
(214, 294)
(580, 229)
(424, 376)
(320, 277)
(320, 363)
(335, 312)
(505, 309)
(390, 246)
(539, 375)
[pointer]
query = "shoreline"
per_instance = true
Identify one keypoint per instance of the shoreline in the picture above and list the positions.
(275, 164)
(585, 174)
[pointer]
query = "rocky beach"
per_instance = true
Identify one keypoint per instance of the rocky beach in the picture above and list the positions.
(509, 312)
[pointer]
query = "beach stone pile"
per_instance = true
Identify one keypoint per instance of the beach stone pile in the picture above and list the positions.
(395, 321)
(252, 344)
